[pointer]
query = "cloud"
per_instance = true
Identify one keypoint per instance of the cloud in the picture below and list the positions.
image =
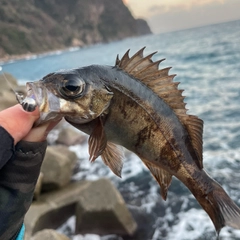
(161, 9)
(180, 17)
(147, 8)
(171, 15)
(178, 5)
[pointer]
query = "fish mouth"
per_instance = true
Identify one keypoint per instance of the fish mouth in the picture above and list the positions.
(35, 93)
(48, 103)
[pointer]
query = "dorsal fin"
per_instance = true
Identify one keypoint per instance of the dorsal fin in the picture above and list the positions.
(146, 70)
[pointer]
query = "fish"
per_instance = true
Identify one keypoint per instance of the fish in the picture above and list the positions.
(140, 107)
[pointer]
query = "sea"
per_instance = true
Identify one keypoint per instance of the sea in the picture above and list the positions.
(207, 63)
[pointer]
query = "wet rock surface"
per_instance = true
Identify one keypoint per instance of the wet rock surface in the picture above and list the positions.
(102, 210)
(69, 137)
(57, 167)
(98, 206)
(53, 208)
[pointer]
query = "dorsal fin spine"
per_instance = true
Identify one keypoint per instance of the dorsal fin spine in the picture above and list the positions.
(149, 68)
(160, 73)
(130, 69)
(117, 60)
(124, 60)
(138, 54)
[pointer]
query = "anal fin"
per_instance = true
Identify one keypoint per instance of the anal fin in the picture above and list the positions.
(163, 178)
(112, 156)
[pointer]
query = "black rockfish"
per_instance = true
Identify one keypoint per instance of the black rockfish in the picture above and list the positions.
(137, 106)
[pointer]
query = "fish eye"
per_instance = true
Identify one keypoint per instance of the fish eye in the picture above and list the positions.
(72, 88)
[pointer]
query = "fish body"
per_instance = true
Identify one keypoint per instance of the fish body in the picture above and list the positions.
(137, 106)
(138, 119)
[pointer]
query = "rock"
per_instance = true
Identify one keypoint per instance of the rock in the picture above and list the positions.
(54, 208)
(57, 167)
(77, 42)
(49, 234)
(7, 96)
(38, 187)
(61, 24)
(7, 99)
(102, 210)
(4, 85)
(142, 27)
(68, 136)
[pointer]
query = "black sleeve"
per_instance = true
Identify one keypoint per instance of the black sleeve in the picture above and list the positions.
(19, 170)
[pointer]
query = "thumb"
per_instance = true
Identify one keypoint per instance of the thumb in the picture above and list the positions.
(18, 122)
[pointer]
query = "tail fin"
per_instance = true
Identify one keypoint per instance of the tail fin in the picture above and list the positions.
(221, 209)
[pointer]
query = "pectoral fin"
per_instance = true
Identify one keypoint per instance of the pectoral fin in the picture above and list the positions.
(163, 177)
(112, 156)
(97, 140)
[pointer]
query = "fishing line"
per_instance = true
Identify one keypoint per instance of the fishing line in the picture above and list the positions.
(19, 96)
(28, 104)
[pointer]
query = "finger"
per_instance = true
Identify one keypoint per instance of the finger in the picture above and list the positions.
(39, 133)
(17, 121)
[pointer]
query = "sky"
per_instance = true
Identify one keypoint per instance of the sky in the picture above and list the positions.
(172, 15)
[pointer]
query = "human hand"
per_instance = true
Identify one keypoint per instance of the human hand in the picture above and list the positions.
(19, 166)
(19, 124)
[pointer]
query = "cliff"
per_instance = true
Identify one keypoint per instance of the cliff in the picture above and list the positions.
(34, 26)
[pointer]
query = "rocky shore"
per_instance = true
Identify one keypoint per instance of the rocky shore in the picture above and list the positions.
(31, 55)
(97, 206)
(41, 26)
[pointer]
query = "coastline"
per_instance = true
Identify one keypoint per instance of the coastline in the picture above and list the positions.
(9, 58)
(13, 58)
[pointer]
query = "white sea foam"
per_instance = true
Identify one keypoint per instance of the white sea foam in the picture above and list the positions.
(87, 237)
(191, 225)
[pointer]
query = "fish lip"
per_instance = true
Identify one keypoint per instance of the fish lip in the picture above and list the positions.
(32, 93)
(48, 103)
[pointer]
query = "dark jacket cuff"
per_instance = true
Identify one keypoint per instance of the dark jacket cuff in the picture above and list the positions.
(18, 178)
